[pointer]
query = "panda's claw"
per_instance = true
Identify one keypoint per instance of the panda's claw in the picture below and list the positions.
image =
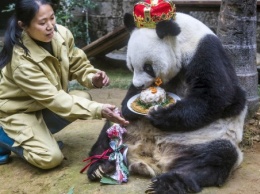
(150, 188)
(149, 191)
(93, 176)
(150, 184)
(101, 170)
(98, 173)
(154, 181)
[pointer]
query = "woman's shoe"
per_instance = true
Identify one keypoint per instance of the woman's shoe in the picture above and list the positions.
(6, 147)
(4, 158)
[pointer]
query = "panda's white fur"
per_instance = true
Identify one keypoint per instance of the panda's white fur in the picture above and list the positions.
(195, 142)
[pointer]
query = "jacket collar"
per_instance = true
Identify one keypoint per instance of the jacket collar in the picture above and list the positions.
(38, 53)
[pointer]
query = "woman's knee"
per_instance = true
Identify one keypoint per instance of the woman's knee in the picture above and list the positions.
(45, 160)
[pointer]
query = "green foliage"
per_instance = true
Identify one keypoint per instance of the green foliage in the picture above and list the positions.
(65, 15)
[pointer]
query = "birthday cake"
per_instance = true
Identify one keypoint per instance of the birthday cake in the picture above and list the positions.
(150, 97)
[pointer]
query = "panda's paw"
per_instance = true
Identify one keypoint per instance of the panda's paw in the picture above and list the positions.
(173, 183)
(97, 170)
(158, 117)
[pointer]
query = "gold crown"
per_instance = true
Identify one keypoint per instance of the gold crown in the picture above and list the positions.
(148, 13)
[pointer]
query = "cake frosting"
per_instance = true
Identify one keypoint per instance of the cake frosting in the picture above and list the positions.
(153, 95)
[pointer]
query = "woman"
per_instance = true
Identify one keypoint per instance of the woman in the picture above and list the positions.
(37, 61)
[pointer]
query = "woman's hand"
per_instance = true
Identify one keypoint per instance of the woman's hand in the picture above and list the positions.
(100, 79)
(109, 112)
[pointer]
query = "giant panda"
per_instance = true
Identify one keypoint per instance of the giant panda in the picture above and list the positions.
(191, 144)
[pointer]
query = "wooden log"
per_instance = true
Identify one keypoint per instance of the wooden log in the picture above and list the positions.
(106, 44)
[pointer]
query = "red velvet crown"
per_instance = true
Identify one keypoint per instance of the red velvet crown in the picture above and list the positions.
(148, 13)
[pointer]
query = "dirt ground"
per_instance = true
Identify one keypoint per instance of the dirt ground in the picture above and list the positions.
(18, 177)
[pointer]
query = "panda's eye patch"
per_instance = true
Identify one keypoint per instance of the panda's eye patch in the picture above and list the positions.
(149, 69)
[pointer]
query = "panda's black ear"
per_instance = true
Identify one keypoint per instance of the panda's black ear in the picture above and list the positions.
(129, 22)
(167, 27)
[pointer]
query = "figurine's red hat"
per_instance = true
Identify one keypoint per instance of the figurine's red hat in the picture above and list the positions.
(148, 13)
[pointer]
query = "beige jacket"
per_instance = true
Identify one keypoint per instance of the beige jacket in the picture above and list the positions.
(31, 83)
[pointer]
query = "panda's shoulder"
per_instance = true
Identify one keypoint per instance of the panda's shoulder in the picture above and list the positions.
(192, 26)
(193, 34)
(187, 20)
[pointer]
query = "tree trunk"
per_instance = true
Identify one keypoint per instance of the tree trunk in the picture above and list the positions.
(237, 31)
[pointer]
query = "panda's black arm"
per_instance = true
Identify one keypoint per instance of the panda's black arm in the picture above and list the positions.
(127, 114)
(213, 92)
(194, 112)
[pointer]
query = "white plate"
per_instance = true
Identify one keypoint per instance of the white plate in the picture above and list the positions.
(174, 96)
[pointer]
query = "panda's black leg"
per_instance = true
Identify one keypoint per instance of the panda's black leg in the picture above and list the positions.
(101, 166)
(199, 166)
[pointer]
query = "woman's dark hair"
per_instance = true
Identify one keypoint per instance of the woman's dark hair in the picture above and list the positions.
(25, 10)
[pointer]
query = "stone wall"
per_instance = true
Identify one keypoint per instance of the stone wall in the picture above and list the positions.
(108, 15)
(211, 20)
